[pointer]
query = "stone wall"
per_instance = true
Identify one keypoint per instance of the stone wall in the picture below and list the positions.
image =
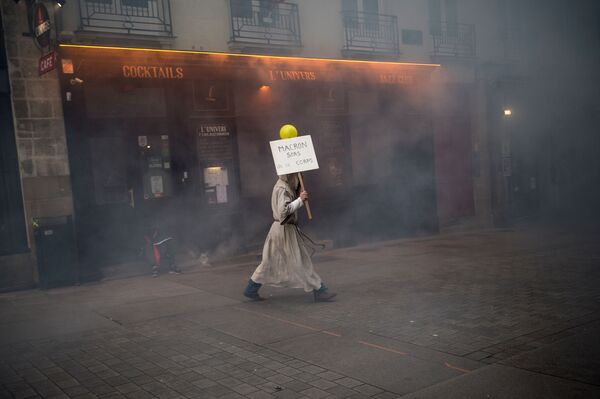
(40, 134)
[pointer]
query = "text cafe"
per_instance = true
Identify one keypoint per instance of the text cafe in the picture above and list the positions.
(180, 141)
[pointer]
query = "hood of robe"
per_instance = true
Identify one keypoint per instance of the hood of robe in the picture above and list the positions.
(292, 182)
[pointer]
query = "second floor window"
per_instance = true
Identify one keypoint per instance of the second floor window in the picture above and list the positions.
(108, 4)
(441, 12)
(267, 10)
(370, 9)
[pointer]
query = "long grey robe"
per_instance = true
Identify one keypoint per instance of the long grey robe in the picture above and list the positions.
(286, 260)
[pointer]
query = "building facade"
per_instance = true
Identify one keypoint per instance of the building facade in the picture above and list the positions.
(159, 113)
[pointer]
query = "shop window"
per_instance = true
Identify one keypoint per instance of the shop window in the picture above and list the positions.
(112, 101)
(110, 170)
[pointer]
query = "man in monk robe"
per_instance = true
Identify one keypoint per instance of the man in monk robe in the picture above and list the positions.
(286, 259)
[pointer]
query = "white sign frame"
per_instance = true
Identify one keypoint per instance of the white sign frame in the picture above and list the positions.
(294, 155)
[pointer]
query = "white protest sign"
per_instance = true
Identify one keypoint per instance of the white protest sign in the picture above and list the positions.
(294, 155)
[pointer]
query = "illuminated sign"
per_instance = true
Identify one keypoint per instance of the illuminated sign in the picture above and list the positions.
(41, 25)
(47, 63)
(152, 72)
(277, 74)
(390, 78)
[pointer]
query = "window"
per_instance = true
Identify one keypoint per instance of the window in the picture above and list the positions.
(127, 3)
(111, 101)
(350, 6)
(269, 11)
(439, 15)
(241, 8)
(366, 6)
(135, 3)
(452, 17)
(369, 10)
(371, 6)
(412, 37)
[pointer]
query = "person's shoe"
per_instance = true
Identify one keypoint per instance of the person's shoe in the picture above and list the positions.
(155, 271)
(253, 296)
(251, 291)
(175, 270)
(324, 295)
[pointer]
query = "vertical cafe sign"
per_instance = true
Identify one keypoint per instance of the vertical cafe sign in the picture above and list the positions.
(41, 25)
(42, 29)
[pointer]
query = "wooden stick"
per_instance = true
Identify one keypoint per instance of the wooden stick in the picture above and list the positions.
(305, 202)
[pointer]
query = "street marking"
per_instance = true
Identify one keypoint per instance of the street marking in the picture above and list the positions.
(383, 348)
(456, 368)
(289, 322)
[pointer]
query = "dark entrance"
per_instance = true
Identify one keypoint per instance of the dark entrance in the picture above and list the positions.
(150, 154)
(122, 138)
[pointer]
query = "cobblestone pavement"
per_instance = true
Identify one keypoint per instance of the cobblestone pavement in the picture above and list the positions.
(167, 360)
(423, 317)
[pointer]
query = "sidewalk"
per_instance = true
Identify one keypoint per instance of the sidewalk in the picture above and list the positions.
(498, 314)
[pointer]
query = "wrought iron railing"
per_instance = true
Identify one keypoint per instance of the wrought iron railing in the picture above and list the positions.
(265, 22)
(375, 33)
(453, 39)
(143, 17)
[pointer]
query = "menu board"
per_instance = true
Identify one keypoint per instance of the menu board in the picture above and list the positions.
(215, 150)
(214, 142)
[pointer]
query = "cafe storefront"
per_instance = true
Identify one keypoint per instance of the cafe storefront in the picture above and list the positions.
(180, 140)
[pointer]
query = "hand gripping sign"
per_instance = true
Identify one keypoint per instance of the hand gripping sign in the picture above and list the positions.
(294, 155)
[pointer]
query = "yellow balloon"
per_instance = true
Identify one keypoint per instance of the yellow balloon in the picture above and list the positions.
(288, 132)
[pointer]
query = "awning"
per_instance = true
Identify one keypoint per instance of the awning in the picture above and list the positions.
(162, 64)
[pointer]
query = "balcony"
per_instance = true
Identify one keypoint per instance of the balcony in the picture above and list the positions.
(453, 40)
(272, 26)
(130, 17)
(370, 34)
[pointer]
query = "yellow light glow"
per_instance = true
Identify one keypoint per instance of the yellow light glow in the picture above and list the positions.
(507, 112)
(264, 88)
(247, 55)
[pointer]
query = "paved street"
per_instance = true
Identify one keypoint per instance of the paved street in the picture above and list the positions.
(492, 314)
